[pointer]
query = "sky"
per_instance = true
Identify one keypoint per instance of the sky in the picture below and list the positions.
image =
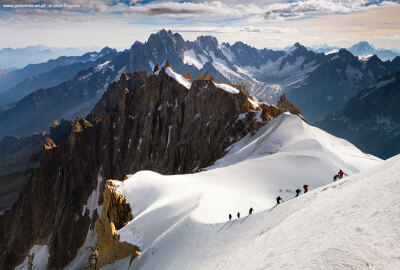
(260, 23)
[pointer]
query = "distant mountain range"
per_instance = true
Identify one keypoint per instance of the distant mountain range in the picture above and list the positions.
(15, 85)
(20, 57)
(371, 119)
(318, 83)
(362, 48)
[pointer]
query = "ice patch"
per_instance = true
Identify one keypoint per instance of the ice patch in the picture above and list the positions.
(40, 255)
(169, 134)
(179, 78)
(365, 57)
(336, 56)
(151, 65)
(101, 67)
(92, 202)
(332, 51)
(379, 85)
(227, 88)
(190, 58)
(255, 104)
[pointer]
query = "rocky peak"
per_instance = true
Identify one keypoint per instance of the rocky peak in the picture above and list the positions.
(59, 131)
(345, 55)
(299, 49)
(187, 77)
(168, 64)
(107, 50)
(205, 77)
(48, 144)
(81, 124)
(207, 42)
(362, 47)
(165, 38)
(287, 106)
(156, 68)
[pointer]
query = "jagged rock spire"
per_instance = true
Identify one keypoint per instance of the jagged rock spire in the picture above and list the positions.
(168, 64)
(156, 68)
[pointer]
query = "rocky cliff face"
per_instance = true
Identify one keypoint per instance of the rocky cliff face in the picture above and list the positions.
(115, 214)
(142, 122)
(18, 157)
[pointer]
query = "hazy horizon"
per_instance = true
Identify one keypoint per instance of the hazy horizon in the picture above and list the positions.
(98, 47)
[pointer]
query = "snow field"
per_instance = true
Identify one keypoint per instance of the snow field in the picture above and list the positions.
(183, 213)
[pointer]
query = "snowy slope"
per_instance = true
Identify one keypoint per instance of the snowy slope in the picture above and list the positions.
(180, 221)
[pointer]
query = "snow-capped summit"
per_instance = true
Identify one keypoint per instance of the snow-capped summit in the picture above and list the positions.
(362, 48)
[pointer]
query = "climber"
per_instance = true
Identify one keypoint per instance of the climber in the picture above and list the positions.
(305, 188)
(336, 177)
(340, 174)
(298, 192)
(278, 200)
(251, 210)
(238, 214)
(230, 217)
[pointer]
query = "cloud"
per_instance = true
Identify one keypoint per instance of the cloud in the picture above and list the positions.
(281, 11)
(253, 12)
(233, 29)
(393, 37)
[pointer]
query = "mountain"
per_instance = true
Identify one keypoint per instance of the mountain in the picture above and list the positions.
(11, 78)
(361, 49)
(323, 48)
(65, 69)
(20, 57)
(371, 119)
(75, 97)
(18, 158)
(328, 88)
(165, 122)
(267, 74)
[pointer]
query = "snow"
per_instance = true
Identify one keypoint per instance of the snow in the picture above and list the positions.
(273, 80)
(119, 73)
(379, 85)
(384, 83)
(179, 78)
(339, 226)
(353, 74)
(191, 58)
(227, 53)
(151, 65)
(40, 257)
(92, 202)
(181, 220)
(227, 88)
(101, 67)
(81, 259)
(255, 104)
(332, 51)
(336, 56)
(169, 134)
(365, 57)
